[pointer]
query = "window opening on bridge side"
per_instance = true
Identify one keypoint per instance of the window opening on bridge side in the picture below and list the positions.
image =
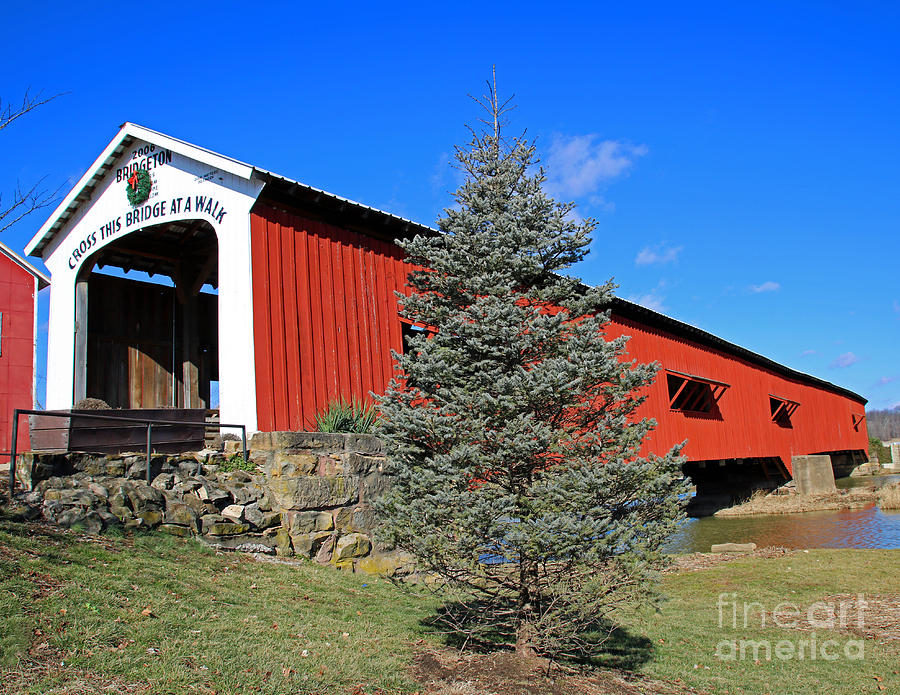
(409, 329)
(694, 394)
(782, 409)
(857, 421)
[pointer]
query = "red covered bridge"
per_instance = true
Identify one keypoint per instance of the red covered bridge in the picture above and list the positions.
(326, 319)
(280, 298)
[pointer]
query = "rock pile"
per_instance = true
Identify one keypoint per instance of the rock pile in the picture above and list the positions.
(310, 494)
(191, 495)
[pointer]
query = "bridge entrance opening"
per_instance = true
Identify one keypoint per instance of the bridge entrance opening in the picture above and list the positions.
(147, 319)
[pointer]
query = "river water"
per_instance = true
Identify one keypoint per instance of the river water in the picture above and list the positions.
(869, 527)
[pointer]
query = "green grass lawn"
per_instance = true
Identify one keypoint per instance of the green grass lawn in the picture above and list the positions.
(164, 615)
(684, 635)
(172, 613)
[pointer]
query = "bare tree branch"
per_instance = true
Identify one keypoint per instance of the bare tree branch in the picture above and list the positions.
(9, 113)
(24, 201)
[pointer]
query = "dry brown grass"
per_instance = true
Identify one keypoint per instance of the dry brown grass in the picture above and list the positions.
(889, 496)
(57, 679)
(760, 503)
(701, 561)
(873, 617)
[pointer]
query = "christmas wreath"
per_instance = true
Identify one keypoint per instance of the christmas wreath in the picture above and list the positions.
(138, 189)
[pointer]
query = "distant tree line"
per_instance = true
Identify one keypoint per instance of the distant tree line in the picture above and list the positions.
(884, 424)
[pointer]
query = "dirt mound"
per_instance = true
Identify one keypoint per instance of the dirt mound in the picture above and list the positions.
(449, 672)
(702, 561)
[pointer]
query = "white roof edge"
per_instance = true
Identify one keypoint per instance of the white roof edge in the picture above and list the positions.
(201, 154)
(232, 166)
(43, 280)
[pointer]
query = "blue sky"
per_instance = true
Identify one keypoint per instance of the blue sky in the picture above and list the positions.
(742, 162)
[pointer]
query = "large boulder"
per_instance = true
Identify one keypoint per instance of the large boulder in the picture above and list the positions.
(386, 565)
(234, 512)
(246, 543)
(98, 490)
(364, 444)
(283, 544)
(207, 521)
(259, 518)
(180, 514)
(213, 492)
(31, 469)
(150, 517)
(350, 547)
(175, 530)
(242, 493)
(226, 528)
(88, 521)
(89, 463)
(355, 519)
(144, 498)
(119, 503)
(289, 465)
(164, 481)
(314, 492)
(323, 556)
(308, 544)
(201, 507)
(360, 464)
(307, 522)
(73, 497)
(296, 441)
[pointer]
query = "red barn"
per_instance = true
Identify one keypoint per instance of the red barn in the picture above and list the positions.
(19, 286)
(299, 310)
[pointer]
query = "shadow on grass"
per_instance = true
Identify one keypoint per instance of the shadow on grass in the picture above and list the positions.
(469, 627)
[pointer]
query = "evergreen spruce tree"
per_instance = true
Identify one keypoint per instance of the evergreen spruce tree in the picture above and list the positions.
(511, 425)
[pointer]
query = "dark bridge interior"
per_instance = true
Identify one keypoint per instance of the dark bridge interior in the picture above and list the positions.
(146, 345)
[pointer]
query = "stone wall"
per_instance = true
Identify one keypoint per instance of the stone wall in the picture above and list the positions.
(324, 486)
(310, 495)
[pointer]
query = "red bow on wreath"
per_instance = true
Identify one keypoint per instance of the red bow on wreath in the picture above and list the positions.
(133, 181)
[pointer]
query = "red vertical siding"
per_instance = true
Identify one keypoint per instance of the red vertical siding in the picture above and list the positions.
(325, 316)
(17, 304)
(822, 423)
(325, 322)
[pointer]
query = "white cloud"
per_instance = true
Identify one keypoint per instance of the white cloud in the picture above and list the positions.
(654, 299)
(808, 353)
(844, 360)
(885, 380)
(768, 286)
(650, 300)
(579, 165)
(598, 201)
(659, 254)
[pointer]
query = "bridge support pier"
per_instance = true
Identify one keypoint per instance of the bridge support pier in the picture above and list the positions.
(813, 474)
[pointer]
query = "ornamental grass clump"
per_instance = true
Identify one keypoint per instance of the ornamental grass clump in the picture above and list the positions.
(351, 416)
(512, 429)
(889, 496)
